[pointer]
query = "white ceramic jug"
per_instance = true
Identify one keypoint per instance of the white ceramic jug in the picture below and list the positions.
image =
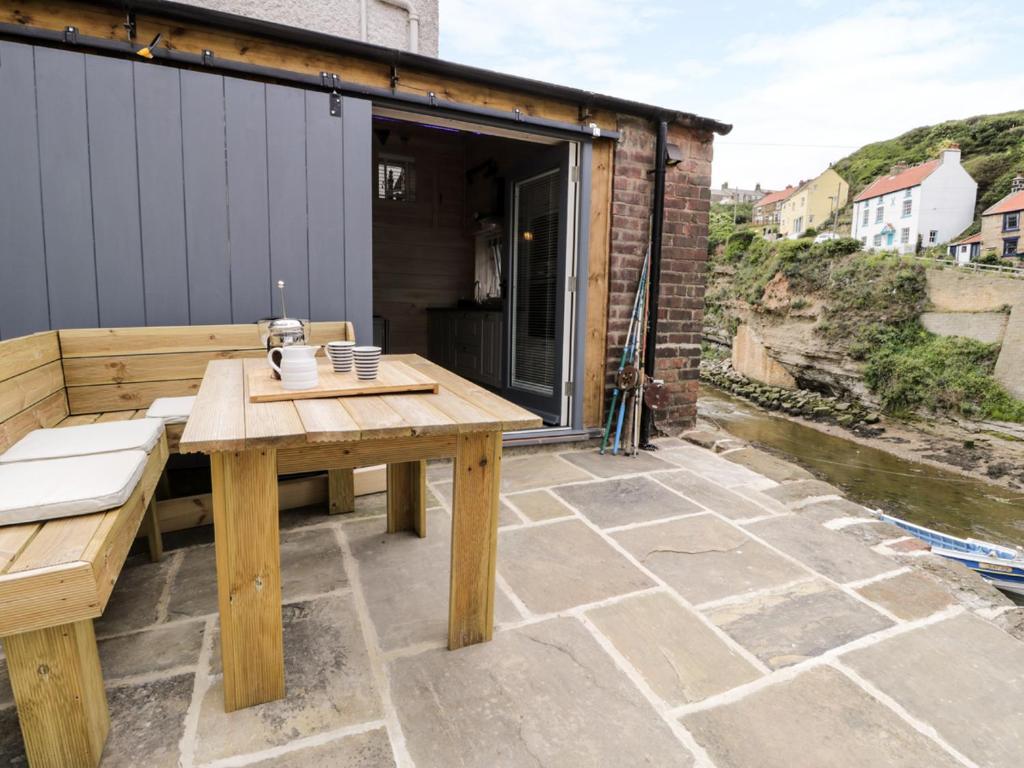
(298, 366)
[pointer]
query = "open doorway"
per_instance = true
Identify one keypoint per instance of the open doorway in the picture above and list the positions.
(473, 255)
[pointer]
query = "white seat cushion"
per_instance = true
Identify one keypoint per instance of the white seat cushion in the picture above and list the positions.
(85, 439)
(52, 488)
(173, 410)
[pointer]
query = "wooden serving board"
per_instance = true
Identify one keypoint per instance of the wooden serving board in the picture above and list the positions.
(394, 377)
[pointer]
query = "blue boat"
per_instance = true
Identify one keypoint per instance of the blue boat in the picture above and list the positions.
(1002, 566)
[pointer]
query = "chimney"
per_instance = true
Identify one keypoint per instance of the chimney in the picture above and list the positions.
(1017, 185)
(951, 154)
(898, 169)
(725, 185)
(757, 187)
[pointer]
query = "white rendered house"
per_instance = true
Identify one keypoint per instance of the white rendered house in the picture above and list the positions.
(933, 201)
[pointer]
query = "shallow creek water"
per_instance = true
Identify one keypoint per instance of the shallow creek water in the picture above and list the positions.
(926, 495)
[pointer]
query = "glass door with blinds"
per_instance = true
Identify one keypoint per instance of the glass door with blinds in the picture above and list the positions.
(536, 278)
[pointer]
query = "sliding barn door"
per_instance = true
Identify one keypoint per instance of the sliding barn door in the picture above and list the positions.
(535, 305)
(135, 193)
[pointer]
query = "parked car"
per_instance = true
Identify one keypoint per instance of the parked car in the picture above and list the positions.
(825, 236)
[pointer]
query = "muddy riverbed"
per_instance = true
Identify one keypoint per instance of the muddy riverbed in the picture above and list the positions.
(880, 472)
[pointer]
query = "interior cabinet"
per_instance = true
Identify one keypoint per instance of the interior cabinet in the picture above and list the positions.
(467, 342)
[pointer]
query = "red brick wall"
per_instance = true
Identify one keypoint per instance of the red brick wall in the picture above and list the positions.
(684, 254)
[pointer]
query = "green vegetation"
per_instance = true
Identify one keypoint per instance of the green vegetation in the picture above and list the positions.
(992, 150)
(910, 369)
(725, 220)
(872, 303)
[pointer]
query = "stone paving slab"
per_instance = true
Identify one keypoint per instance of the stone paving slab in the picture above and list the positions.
(909, 596)
(153, 650)
(134, 603)
(405, 581)
(873, 534)
(716, 468)
(540, 695)
(800, 490)
(362, 750)
(148, 721)
(610, 465)
(828, 552)
(505, 514)
(311, 563)
(802, 622)
(12, 748)
(831, 509)
(963, 676)
(562, 565)
(768, 465)
(6, 694)
(610, 503)
(521, 473)
(679, 656)
(704, 558)
(820, 719)
(539, 505)
(712, 495)
(328, 678)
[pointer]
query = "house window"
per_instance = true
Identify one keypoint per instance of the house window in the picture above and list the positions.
(1011, 222)
(908, 193)
(864, 240)
(864, 222)
(877, 241)
(810, 218)
(798, 224)
(396, 179)
(933, 236)
(905, 235)
(907, 207)
(1010, 246)
(879, 213)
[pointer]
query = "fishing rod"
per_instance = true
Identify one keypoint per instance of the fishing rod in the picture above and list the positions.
(626, 352)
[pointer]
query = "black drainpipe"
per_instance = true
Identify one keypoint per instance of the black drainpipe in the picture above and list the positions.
(657, 225)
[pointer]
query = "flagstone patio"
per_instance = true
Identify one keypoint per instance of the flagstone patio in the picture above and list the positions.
(675, 609)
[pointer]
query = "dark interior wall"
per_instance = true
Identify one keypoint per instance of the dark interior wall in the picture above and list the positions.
(423, 251)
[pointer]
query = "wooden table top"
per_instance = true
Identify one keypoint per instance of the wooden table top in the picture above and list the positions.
(223, 418)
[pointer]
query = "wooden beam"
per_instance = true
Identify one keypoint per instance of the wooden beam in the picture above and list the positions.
(127, 397)
(474, 539)
(193, 511)
(151, 528)
(341, 492)
(58, 689)
(595, 363)
(247, 542)
(313, 458)
(24, 353)
(407, 497)
(105, 22)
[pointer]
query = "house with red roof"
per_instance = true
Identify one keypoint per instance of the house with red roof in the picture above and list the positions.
(916, 206)
(768, 209)
(1000, 224)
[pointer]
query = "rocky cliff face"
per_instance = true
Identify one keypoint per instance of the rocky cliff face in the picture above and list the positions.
(781, 339)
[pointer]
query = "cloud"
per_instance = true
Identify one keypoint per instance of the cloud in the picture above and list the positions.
(813, 73)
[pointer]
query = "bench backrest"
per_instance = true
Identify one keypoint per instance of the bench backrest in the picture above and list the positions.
(31, 386)
(120, 369)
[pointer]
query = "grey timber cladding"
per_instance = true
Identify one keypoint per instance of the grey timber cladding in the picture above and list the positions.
(133, 193)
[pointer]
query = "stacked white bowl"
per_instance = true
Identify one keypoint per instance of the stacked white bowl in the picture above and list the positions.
(367, 361)
(340, 353)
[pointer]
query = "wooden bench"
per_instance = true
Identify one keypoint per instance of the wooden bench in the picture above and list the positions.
(57, 576)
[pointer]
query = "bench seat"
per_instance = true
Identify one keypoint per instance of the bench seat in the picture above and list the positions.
(56, 576)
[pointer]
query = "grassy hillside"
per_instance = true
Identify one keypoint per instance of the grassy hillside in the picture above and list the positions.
(992, 147)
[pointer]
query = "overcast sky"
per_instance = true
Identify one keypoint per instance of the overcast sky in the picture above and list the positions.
(804, 82)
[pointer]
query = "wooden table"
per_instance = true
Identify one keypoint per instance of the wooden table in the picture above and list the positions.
(251, 443)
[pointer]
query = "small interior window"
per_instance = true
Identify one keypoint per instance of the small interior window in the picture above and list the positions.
(396, 178)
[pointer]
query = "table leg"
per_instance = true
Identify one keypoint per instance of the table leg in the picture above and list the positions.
(341, 491)
(474, 538)
(151, 526)
(407, 497)
(58, 689)
(246, 535)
